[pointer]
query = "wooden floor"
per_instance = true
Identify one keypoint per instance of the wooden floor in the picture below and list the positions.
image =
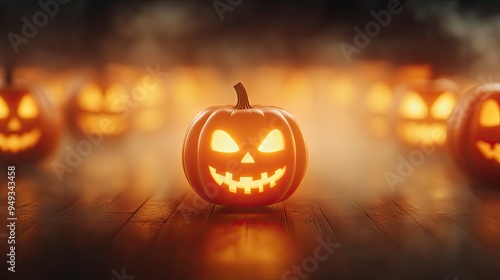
(446, 230)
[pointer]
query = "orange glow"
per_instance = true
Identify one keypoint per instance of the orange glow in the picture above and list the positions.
(342, 91)
(379, 126)
(411, 72)
(413, 106)
(90, 98)
(379, 97)
(4, 109)
(490, 114)
(28, 109)
(421, 133)
(223, 142)
(443, 106)
(489, 151)
(19, 142)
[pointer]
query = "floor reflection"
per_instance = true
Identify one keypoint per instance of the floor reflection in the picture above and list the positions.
(252, 243)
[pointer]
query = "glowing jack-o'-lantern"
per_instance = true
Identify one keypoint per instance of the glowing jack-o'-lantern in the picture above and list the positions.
(421, 110)
(98, 109)
(474, 132)
(244, 155)
(30, 126)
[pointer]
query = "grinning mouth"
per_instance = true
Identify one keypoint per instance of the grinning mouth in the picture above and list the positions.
(19, 142)
(489, 151)
(428, 134)
(246, 183)
(101, 123)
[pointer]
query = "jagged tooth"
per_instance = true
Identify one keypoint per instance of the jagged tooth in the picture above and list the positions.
(485, 149)
(272, 183)
(219, 179)
(245, 181)
(248, 190)
(228, 177)
(14, 143)
(26, 140)
(264, 177)
(232, 187)
(261, 188)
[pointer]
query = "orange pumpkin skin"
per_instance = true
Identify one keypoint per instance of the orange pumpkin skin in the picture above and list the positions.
(468, 138)
(248, 164)
(35, 124)
(413, 129)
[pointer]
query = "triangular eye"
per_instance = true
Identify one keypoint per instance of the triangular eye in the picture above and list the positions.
(273, 142)
(223, 142)
(28, 109)
(4, 109)
(490, 114)
(443, 106)
(413, 106)
(90, 98)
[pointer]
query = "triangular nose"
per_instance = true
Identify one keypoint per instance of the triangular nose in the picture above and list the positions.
(247, 158)
(14, 124)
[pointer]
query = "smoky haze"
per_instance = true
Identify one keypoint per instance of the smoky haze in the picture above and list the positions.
(453, 36)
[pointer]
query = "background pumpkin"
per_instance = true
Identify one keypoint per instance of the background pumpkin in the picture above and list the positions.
(244, 155)
(421, 109)
(474, 133)
(30, 125)
(99, 108)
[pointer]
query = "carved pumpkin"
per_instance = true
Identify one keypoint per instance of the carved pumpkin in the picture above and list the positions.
(474, 132)
(421, 109)
(99, 109)
(30, 126)
(244, 155)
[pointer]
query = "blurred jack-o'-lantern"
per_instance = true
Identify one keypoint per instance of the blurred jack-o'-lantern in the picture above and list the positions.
(474, 132)
(421, 109)
(98, 109)
(244, 155)
(30, 126)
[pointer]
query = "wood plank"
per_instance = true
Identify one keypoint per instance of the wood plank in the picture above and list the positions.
(363, 243)
(310, 231)
(133, 245)
(180, 234)
(248, 243)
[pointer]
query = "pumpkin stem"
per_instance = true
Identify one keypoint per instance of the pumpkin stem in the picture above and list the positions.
(243, 102)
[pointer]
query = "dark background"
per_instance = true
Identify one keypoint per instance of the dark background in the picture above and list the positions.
(453, 36)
